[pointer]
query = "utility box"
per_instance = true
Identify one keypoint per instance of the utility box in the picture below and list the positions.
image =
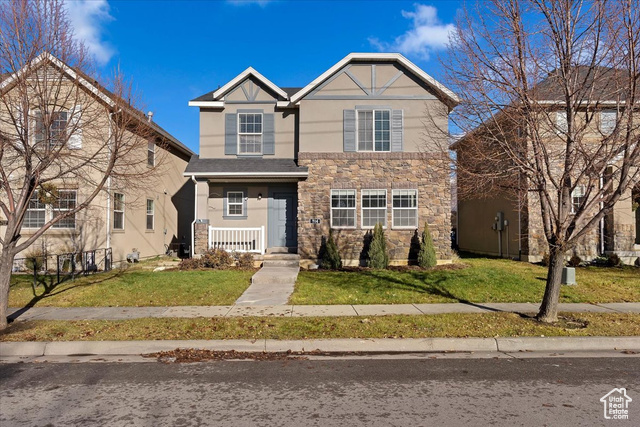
(568, 276)
(500, 221)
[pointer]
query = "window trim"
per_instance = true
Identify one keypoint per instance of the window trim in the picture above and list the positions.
(53, 209)
(243, 214)
(393, 210)
(239, 134)
(362, 208)
(373, 129)
(116, 211)
(153, 215)
(562, 128)
(355, 209)
(573, 205)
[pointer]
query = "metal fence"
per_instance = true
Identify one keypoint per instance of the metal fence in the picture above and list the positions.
(64, 266)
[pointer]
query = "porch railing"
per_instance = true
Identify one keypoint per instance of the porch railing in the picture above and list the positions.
(237, 239)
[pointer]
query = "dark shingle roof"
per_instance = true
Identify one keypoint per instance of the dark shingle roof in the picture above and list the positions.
(253, 165)
(206, 97)
(291, 90)
(597, 83)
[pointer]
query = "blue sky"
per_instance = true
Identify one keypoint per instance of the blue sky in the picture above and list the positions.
(175, 51)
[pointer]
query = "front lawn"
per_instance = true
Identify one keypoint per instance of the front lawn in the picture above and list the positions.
(134, 287)
(483, 280)
(252, 328)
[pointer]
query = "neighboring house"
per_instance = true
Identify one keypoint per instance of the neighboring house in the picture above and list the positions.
(157, 214)
(279, 167)
(521, 235)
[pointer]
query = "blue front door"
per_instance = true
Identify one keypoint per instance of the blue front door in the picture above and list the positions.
(282, 219)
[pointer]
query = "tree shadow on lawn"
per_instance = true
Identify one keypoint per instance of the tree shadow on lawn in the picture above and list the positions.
(50, 287)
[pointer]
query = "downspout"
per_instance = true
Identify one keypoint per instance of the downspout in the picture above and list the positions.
(108, 225)
(601, 219)
(519, 220)
(195, 217)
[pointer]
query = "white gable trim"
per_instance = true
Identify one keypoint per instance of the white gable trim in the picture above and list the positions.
(241, 77)
(389, 57)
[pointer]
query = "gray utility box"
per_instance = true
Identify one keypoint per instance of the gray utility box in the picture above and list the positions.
(568, 276)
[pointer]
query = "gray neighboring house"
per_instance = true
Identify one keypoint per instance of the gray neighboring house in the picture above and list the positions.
(279, 167)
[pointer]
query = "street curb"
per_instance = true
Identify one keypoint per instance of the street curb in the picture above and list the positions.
(384, 345)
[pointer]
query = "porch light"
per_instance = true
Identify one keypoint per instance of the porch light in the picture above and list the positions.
(259, 196)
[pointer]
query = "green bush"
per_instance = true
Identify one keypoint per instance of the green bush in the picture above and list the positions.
(378, 256)
(218, 259)
(244, 261)
(34, 260)
(329, 256)
(427, 254)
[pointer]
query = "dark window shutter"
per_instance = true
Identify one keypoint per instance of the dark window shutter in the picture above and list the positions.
(397, 131)
(268, 135)
(231, 133)
(349, 129)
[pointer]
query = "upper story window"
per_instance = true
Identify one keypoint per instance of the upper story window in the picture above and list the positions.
(374, 130)
(608, 119)
(249, 133)
(577, 198)
(65, 202)
(55, 135)
(151, 153)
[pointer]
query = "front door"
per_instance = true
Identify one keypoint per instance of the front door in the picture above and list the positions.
(282, 219)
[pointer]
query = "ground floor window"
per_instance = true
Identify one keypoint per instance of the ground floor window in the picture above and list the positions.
(118, 211)
(374, 208)
(36, 212)
(343, 208)
(65, 202)
(150, 214)
(577, 198)
(405, 208)
(235, 203)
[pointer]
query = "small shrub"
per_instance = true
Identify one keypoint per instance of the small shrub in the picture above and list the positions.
(614, 260)
(427, 254)
(600, 261)
(245, 261)
(545, 260)
(575, 261)
(378, 256)
(218, 259)
(330, 257)
(190, 264)
(34, 260)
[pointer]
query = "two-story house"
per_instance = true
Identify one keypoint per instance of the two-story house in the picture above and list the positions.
(279, 167)
(70, 118)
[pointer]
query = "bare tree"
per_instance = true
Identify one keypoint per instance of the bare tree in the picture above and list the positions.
(59, 129)
(533, 76)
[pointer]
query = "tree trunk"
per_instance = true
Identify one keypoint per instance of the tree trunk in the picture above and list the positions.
(6, 264)
(549, 308)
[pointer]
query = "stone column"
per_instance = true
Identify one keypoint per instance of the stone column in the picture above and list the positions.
(201, 236)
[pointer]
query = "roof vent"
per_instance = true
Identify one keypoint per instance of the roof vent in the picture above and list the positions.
(150, 116)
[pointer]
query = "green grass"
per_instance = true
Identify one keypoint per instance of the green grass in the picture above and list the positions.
(484, 280)
(251, 328)
(134, 287)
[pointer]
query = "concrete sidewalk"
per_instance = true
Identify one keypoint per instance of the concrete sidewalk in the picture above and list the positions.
(121, 313)
(626, 345)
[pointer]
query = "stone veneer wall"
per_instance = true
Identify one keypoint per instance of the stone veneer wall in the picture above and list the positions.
(424, 172)
(201, 237)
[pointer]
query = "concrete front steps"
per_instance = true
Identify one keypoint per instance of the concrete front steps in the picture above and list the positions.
(273, 284)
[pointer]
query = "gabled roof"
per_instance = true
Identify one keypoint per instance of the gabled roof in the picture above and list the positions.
(94, 87)
(219, 93)
(450, 97)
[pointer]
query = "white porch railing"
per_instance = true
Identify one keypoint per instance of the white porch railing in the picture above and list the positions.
(237, 239)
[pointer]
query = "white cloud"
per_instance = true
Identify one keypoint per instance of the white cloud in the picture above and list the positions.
(427, 35)
(88, 18)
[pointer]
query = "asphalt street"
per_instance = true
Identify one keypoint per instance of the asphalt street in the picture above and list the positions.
(418, 391)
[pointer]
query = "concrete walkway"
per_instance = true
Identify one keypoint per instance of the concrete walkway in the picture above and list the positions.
(121, 313)
(273, 284)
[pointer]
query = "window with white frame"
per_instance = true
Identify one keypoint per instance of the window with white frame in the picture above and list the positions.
(405, 208)
(577, 198)
(608, 119)
(343, 208)
(374, 208)
(374, 130)
(65, 202)
(36, 213)
(235, 203)
(150, 214)
(249, 133)
(151, 153)
(562, 125)
(118, 211)
(56, 131)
